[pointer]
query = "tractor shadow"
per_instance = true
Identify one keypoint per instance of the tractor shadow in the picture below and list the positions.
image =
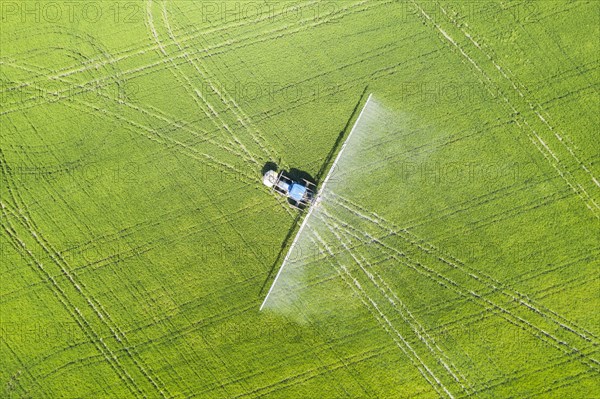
(342, 135)
(281, 254)
(269, 166)
(294, 174)
(299, 175)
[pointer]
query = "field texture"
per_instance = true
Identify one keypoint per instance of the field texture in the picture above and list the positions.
(455, 252)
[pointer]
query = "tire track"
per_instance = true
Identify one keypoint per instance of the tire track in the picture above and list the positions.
(478, 275)
(457, 324)
(8, 385)
(113, 331)
(144, 48)
(224, 97)
(350, 85)
(167, 142)
(562, 383)
(521, 374)
(486, 384)
(382, 320)
(474, 297)
(98, 309)
(398, 305)
(310, 374)
(533, 136)
(535, 106)
(224, 47)
(154, 113)
(196, 94)
(477, 298)
(73, 311)
(159, 138)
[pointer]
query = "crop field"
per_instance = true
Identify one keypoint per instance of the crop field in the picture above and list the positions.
(453, 253)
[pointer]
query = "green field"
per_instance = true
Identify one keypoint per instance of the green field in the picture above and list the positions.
(455, 252)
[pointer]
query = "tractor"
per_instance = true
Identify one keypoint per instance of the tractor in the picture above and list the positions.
(300, 194)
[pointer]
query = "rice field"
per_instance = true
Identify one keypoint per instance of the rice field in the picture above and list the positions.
(454, 252)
